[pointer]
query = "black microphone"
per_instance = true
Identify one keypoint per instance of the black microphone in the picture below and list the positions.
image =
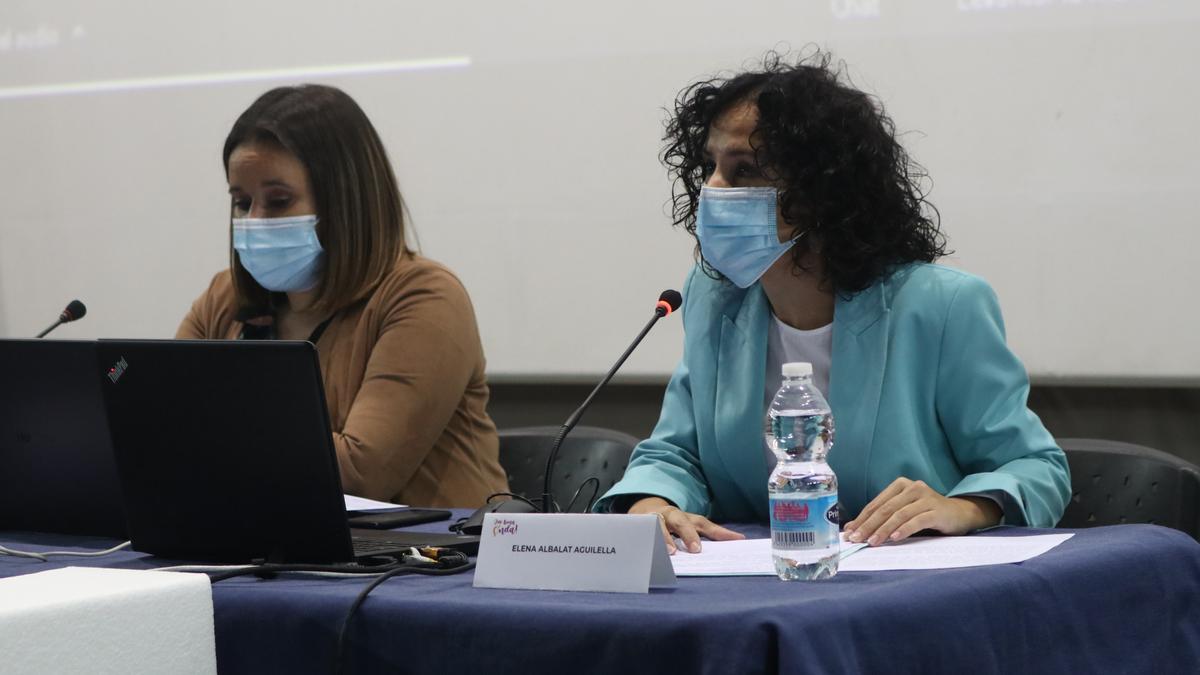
(668, 302)
(74, 311)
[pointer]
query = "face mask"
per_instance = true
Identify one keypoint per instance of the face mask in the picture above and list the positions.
(737, 232)
(282, 254)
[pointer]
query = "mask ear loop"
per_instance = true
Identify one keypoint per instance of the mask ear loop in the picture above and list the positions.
(796, 239)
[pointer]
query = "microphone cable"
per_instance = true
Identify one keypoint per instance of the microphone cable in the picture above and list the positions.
(591, 500)
(457, 526)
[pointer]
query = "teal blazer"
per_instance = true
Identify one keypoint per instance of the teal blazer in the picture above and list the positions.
(922, 385)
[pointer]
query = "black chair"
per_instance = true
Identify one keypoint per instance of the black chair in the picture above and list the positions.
(1114, 483)
(587, 452)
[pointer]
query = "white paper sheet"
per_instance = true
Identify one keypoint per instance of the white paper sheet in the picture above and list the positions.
(737, 558)
(752, 557)
(932, 553)
(363, 504)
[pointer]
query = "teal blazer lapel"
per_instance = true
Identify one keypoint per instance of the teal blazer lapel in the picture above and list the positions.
(860, 335)
(741, 370)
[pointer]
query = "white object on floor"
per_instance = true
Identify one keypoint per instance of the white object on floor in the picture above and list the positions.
(752, 557)
(99, 621)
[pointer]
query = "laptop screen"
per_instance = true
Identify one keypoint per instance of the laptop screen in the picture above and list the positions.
(224, 450)
(56, 464)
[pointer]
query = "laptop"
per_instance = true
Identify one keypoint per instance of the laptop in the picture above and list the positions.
(225, 453)
(56, 464)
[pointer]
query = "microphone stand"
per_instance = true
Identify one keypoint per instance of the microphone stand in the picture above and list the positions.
(75, 310)
(547, 498)
(56, 324)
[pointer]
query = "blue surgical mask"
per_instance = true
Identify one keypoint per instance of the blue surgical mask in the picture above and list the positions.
(737, 232)
(282, 254)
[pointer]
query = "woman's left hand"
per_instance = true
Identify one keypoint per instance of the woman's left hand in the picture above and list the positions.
(908, 506)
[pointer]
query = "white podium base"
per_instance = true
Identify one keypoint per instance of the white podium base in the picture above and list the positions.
(94, 620)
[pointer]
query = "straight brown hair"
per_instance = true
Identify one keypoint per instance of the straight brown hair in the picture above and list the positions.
(360, 214)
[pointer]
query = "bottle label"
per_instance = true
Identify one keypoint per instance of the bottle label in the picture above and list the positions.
(799, 522)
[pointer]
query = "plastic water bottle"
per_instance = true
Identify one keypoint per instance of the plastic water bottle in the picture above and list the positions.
(803, 489)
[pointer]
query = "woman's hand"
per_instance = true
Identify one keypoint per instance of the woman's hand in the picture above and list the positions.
(686, 526)
(906, 507)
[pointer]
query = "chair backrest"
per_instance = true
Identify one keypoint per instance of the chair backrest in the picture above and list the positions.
(1114, 483)
(587, 452)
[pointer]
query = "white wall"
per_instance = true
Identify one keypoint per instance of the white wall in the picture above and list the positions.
(1058, 132)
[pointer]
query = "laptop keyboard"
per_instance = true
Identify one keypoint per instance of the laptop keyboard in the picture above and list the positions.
(365, 547)
(377, 542)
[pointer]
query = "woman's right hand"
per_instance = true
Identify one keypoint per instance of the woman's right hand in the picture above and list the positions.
(687, 526)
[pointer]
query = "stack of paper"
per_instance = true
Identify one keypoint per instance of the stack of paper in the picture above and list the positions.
(752, 557)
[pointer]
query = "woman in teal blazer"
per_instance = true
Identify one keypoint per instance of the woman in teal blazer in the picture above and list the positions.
(932, 428)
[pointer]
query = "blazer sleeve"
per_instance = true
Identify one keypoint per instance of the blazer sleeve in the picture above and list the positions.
(982, 390)
(416, 375)
(202, 320)
(668, 464)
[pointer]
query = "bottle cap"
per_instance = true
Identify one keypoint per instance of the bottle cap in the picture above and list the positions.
(797, 369)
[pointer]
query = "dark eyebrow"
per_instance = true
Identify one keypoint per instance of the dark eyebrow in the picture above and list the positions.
(274, 182)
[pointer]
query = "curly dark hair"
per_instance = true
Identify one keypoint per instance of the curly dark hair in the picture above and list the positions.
(844, 177)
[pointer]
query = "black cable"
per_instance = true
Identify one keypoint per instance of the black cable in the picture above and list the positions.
(276, 568)
(595, 490)
(461, 564)
(594, 497)
(456, 526)
(513, 495)
(448, 562)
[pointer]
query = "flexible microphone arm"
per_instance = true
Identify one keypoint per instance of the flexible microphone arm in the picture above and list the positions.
(75, 310)
(666, 304)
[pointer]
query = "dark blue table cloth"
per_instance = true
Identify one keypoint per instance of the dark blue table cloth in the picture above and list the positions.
(1113, 599)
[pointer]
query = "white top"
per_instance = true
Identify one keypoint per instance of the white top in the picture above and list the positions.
(787, 345)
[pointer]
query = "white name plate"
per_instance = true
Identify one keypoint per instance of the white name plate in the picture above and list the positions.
(572, 552)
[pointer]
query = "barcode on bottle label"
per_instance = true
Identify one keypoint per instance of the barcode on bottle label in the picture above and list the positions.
(793, 539)
(800, 522)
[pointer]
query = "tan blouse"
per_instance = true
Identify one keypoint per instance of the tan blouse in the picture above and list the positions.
(404, 384)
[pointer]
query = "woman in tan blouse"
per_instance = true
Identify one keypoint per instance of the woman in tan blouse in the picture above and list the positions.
(318, 253)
